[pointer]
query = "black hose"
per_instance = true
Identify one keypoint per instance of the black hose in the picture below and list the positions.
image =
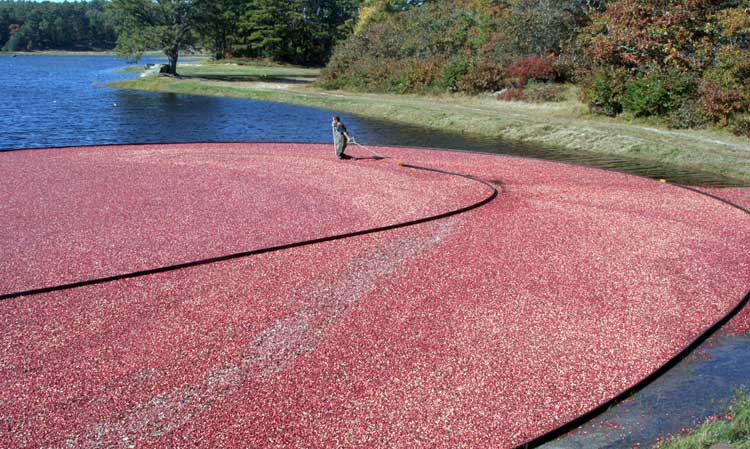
(535, 442)
(269, 249)
(671, 363)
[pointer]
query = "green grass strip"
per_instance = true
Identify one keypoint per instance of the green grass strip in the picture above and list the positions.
(566, 125)
(733, 429)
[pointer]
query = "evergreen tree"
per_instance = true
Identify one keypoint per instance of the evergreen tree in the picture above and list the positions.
(295, 31)
(217, 26)
(26, 26)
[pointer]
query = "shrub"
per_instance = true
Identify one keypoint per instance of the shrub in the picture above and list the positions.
(397, 84)
(423, 74)
(453, 73)
(719, 102)
(603, 90)
(18, 42)
(377, 73)
(484, 77)
(644, 97)
(688, 115)
(724, 90)
(531, 68)
(660, 92)
(740, 124)
(693, 60)
(537, 92)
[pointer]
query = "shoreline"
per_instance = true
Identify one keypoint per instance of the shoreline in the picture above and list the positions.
(58, 53)
(110, 53)
(565, 126)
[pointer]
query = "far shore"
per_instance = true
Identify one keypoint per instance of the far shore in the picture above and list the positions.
(79, 53)
(565, 125)
(57, 53)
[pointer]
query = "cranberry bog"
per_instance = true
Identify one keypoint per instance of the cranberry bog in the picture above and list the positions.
(269, 295)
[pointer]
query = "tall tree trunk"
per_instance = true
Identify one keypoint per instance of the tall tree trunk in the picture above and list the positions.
(220, 46)
(172, 55)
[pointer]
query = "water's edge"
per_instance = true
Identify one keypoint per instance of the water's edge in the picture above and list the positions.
(62, 101)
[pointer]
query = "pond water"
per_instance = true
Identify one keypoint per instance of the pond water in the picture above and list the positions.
(61, 101)
(702, 385)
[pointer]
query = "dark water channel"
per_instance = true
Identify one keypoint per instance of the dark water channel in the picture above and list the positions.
(700, 386)
(60, 101)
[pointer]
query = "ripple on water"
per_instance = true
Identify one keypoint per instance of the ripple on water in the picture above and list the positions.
(59, 101)
(699, 387)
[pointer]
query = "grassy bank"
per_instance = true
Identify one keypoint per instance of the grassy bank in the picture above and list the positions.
(564, 125)
(132, 69)
(732, 429)
(196, 68)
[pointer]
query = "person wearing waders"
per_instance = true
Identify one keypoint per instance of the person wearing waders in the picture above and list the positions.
(340, 138)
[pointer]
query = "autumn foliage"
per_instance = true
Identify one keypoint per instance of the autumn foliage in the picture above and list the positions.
(684, 61)
(458, 46)
(688, 61)
(537, 68)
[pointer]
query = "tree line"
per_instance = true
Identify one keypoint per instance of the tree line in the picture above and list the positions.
(28, 26)
(686, 62)
(300, 32)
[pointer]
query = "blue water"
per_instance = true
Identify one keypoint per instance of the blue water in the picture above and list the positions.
(61, 101)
